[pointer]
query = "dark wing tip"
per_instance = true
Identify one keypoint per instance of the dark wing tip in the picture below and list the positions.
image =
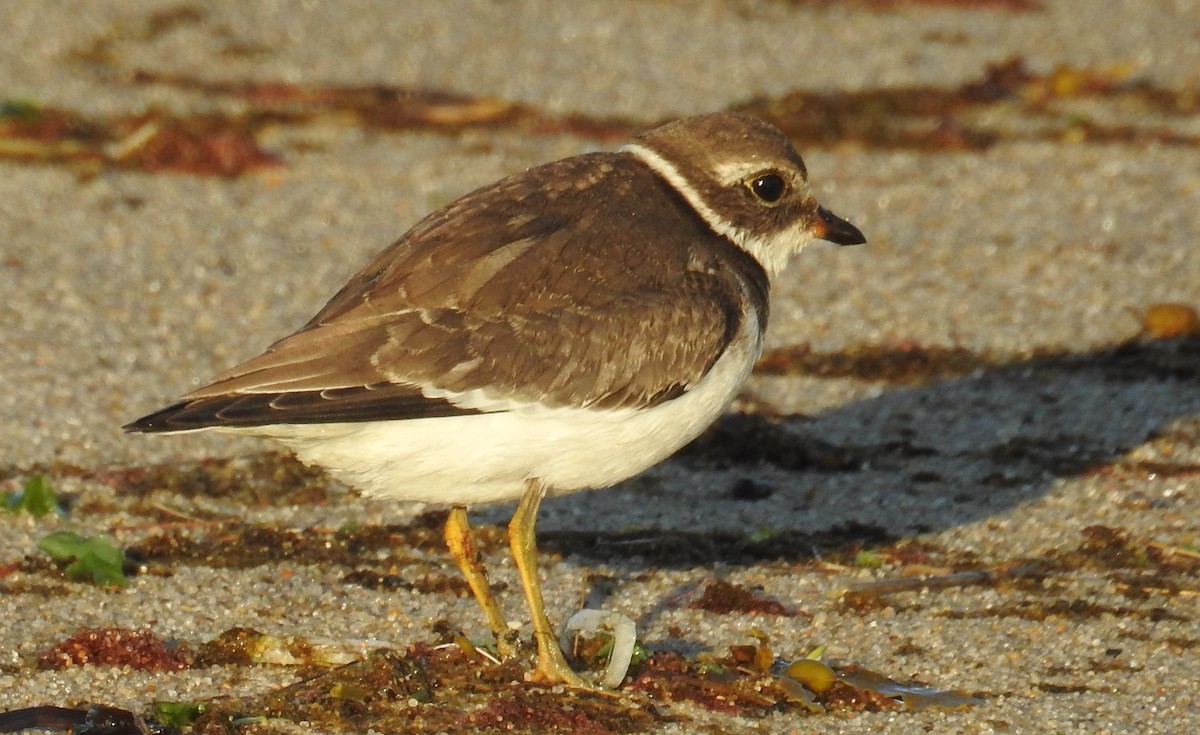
(380, 402)
(177, 417)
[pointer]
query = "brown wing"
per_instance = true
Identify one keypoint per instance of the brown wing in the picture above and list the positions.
(537, 288)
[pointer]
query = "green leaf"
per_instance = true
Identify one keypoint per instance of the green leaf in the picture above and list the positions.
(20, 109)
(105, 550)
(96, 559)
(641, 654)
(761, 534)
(61, 545)
(868, 559)
(37, 498)
(178, 714)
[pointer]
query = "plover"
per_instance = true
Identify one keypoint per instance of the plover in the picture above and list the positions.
(563, 328)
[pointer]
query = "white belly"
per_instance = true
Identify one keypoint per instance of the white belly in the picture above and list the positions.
(486, 457)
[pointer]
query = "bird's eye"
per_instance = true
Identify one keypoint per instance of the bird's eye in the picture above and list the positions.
(768, 187)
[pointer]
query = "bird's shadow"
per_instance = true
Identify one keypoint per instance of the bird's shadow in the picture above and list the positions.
(913, 459)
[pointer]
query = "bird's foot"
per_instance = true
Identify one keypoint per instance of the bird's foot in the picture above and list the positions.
(551, 670)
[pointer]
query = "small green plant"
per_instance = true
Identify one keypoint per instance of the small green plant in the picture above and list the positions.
(641, 654)
(19, 109)
(37, 498)
(178, 714)
(868, 559)
(95, 559)
(761, 534)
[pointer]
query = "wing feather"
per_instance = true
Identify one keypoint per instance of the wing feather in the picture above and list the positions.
(623, 299)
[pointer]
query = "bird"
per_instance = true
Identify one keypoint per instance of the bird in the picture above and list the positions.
(561, 329)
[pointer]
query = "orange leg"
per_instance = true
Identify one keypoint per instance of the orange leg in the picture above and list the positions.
(552, 666)
(466, 556)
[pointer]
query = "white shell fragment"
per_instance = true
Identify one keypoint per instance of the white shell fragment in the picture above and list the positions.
(624, 635)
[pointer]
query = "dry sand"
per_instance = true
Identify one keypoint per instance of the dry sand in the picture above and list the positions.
(123, 289)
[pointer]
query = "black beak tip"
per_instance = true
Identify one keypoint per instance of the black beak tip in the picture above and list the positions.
(838, 231)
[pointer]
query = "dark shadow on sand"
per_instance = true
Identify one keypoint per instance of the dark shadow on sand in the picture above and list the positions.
(915, 459)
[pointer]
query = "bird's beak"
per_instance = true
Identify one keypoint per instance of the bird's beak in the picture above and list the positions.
(834, 229)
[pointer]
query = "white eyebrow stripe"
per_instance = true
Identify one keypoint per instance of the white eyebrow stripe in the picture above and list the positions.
(733, 172)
